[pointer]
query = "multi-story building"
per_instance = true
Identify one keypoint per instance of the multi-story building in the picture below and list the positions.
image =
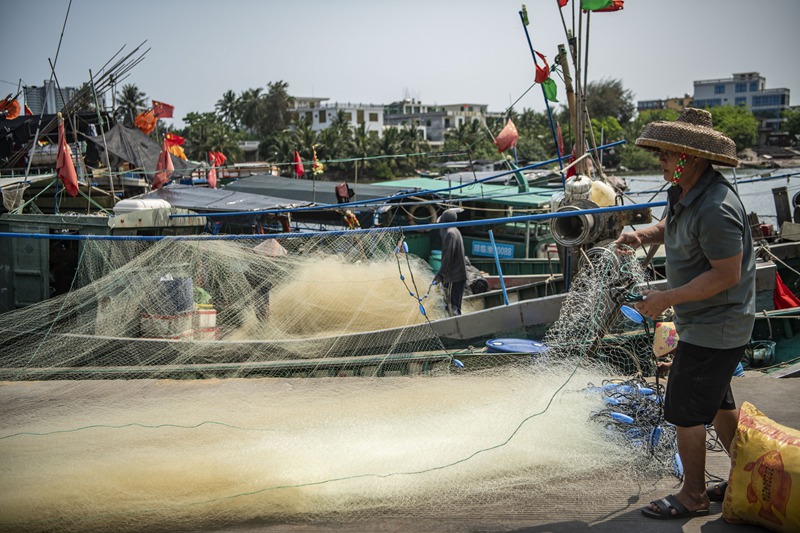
(433, 120)
(320, 114)
(49, 97)
(747, 89)
(676, 104)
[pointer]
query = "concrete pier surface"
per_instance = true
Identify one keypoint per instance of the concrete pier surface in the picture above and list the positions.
(615, 507)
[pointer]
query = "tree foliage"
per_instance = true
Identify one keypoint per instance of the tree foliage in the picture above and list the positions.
(738, 123)
(207, 132)
(608, 98)
(131, 102)
(792, 124)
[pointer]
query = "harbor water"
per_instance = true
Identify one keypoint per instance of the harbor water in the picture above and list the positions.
(755, 188)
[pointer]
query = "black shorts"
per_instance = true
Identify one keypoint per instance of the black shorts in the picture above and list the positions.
(699, 384)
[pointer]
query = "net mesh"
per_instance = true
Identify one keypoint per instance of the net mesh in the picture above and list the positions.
(161, 391)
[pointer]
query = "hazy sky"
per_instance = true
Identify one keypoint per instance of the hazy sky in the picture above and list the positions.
(379, 51)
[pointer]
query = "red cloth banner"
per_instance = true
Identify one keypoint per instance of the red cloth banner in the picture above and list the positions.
(297, 165)
(174, 140)
(164, 167)
(65, 168)
(146, 121)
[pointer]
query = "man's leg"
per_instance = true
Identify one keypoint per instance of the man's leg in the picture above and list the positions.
(692, 448)
(725, 424)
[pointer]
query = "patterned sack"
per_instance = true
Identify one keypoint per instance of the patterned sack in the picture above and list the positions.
(665, 339)
(764, 483)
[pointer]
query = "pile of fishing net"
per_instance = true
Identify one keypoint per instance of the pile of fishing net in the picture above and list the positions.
(122, 413)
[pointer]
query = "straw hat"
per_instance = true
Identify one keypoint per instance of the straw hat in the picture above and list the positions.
(691, 133)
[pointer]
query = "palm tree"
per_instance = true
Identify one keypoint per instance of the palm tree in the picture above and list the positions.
(132, 101)
(249, 108)
(227, 108)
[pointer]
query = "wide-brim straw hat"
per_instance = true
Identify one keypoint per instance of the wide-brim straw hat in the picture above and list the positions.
(693, 134)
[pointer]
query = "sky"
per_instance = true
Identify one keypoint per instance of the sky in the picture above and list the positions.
(380, 51)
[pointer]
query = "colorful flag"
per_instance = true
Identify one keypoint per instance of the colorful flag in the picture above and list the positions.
(559, 139)
(593, 5)
(177, 151)
(162, 110)
(145, 121)
(297, 165)
(542, 73)
(550, 89)
(65, 168)
(164, 167)
(507, 137)
(562, 3)
(28, 110)
(317, 168)
(9, 107)
(217, 158)
(212, 177)
(615, 5)
(174, 140)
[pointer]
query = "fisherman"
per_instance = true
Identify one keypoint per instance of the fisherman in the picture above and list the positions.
(711, 280)
(453, 272)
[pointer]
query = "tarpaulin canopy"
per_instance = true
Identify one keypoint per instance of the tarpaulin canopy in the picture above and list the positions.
(205, 200)
(134, 147)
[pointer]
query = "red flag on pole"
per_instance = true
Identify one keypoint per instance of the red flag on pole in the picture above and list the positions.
(174, 140)
(559, 139)
(65, 168)
(162, 110)
(164, 167)
(28, 110)
(217, 158)
(297, 165)
(507, 137)
(542, 73)
(562, 3)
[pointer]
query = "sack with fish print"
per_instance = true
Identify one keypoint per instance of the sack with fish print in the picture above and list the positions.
(764, 483)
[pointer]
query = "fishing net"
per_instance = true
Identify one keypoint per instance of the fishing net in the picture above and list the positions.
(187, 384)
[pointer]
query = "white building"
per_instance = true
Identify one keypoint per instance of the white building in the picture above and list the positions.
(434, 120)
(748, 89)
(320, 114)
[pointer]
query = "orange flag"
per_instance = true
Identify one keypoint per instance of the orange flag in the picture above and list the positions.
(164, 167)
(65, 168)
(507, 137)
(9, 108)
(146, 121)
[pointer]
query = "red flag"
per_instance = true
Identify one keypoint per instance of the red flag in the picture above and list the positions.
(782, 297)
(162, 110)
(28, 110)
(164, 167)
(562, 3)
(217, 158)
(559, 139)
(65, 168)
(542, 73)
(507, 137)
(145, 121)
(297, 165)
(174, 140)
(212, 177)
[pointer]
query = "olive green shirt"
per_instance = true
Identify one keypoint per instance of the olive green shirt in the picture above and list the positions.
(710, 223)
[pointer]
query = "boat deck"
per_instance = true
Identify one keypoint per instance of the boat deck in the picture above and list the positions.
(615, 508)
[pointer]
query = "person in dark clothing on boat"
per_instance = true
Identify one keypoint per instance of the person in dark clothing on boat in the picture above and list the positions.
(453, 272)
(711, 279)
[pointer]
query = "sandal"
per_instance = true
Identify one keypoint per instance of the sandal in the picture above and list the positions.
(716, 492)
(665, 507)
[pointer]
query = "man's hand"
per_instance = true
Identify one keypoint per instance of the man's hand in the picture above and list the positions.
(628, 241)
(654, 303)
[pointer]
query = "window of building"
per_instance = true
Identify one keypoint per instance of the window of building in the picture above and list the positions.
(446, 123)
(309, 117)
(323, 118)
(360, 116)
(428, 123)
(768, 100)
(741, 88)
(719, 89)
(740, 100)
(753, 86)
(373, 117)
(709, 102)
(348, 116)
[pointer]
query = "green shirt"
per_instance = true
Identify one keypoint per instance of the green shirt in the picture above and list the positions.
(710, 223)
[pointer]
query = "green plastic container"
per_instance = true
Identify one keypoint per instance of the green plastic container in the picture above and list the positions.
(435, 260)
